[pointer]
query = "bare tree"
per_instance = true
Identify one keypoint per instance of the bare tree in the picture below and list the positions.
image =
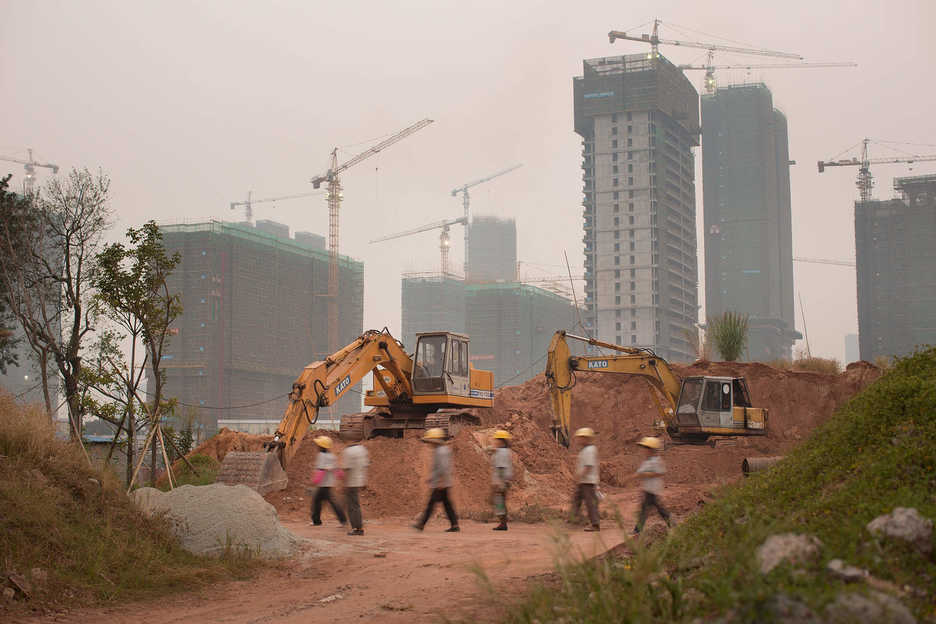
(48, 284)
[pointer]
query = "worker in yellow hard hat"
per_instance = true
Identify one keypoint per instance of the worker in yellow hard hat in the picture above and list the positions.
(651, 472)
(586, 473)
(325, 478)
(440, 480)
(501, 476)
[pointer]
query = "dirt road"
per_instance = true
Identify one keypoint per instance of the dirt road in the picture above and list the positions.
(393, 573)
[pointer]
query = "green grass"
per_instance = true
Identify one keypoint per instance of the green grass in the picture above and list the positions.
(876, 453)
(76, 523)
(206, 466)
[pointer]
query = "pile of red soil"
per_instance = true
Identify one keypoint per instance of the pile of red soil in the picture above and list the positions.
(619, 407)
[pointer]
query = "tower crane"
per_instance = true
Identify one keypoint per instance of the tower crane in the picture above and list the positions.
(710, 68)
(333, 197)
(654, 40)
(466, 201)
(444, 240)
(249, 202)
(865, 180)
(30, 166)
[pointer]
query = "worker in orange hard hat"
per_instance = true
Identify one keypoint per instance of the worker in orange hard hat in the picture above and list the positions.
(501, 476)
(325, 478)
(651, 473)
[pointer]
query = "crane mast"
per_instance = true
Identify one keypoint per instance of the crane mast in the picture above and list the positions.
(466, 202)
(30, 166)
(333, 199)
(865, 181)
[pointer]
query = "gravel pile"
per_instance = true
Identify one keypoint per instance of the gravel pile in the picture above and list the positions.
(209, 519)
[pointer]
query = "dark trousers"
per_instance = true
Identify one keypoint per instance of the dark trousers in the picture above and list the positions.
(439, 495)
(650, 500)
(323, 494)
(585, 493)
(499, 501)
(353, 503)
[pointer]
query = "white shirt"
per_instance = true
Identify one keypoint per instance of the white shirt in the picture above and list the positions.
(441, 476)
(653, 468)
(501, 461)
(587, 469)
(326, 462)
(355, 461)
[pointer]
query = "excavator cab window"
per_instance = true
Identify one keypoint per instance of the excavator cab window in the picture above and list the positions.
(689, 397)
(430, 364)
(742, 397)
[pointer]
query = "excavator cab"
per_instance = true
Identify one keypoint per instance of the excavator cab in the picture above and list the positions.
(441, 365)
(717, 405)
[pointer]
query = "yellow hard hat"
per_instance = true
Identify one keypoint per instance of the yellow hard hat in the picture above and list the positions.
(500, 434)
(651, 443)
(434, 434)
(323, 441)
(585, 432)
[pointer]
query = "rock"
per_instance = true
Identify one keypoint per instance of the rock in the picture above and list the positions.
(786, 610)
(39, 575)
(905, 523)
(9, 593)
(20, 584)
(791, 547)
(844, 572)
(211, 519)
(851, 607)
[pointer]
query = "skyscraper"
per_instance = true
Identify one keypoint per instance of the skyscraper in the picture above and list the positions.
(896, 267)
(748, 228)
(639, 120)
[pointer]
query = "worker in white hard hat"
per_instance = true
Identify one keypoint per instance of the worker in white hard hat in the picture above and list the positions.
(354, 462)
(586, 473)
(501, 476)
(324, 478)
(440, 480)
(651, 472)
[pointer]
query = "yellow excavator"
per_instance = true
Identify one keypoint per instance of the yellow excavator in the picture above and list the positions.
(436, 387)
(691, 410)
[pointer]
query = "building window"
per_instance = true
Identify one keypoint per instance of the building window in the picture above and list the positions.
(616, 195)
(630, 168)
(614, 169)
(617, 300)
(614, 157)
(614, 130)
(632, 259)
(615, 181)
(634, 325)
(617, 286)
(632, 246)
(630, 207)
(633, 339)
(630, 156)
(633, 286)
(633, 313)
(630, 129)
(617, 220)
(617, 313)
(617, 207)
(618, 341)
(614, 144)
(630, 181)
(630, 219)
(633, 273)
(617, 259)
(617, 246)
(629, 117)
(630, 233)
(633, 298)
(630, 142)
(630, 194)
(617, 234)
(617, 273)
(613, 117)
(617, 326)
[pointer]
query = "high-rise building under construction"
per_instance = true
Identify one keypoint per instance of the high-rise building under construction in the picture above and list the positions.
(254, 314)
(896, 268)
(638, 117)
(748, 236)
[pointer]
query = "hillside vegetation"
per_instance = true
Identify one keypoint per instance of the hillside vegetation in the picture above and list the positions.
(878, 452)
(78, 529)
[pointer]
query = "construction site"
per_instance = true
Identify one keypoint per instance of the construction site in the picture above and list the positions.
(643, 435)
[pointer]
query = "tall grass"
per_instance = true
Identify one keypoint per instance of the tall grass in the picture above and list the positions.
(729, 334)
(76, 523)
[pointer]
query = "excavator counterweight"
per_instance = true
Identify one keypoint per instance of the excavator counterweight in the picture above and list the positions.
(436, 387)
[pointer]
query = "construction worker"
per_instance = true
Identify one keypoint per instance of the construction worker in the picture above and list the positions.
(440, 480)
(354, 461)
(324, 478)
(651, 472)
(586, 473)
(501, 476)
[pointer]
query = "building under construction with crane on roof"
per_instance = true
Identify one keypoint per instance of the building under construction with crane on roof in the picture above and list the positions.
(254, 314)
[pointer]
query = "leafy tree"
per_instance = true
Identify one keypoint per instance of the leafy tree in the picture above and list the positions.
(729, 333)
(133, 292)
(48, 280)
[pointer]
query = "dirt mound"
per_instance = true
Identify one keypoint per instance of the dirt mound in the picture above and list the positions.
(210, 519)
(226, 441)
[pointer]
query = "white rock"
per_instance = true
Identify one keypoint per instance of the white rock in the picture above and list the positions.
(840, 570)
(907, 524)
(848, 608)
(791, 547)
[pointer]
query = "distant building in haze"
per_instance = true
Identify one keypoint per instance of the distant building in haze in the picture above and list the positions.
(254, 315)
(639, 120)
(748, 227)
(895, 253)
(492, 254)
(852, 353)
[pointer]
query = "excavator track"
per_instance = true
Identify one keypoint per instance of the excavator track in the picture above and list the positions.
(451, 421)
(356, 427)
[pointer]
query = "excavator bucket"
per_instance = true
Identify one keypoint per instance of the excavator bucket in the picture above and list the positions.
(261, 471)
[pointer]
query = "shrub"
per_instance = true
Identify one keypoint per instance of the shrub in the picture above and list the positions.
(729, 333)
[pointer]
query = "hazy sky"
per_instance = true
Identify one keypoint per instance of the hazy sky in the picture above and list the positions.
(188, 105)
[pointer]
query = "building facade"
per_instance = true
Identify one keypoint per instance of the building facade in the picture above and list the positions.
(639, 120)
(431, 302)
(748, 226)
(254, 314)
(896, 269)
(492, 255)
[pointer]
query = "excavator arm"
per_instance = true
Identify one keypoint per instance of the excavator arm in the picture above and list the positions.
(561, 367)
(323, 383)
